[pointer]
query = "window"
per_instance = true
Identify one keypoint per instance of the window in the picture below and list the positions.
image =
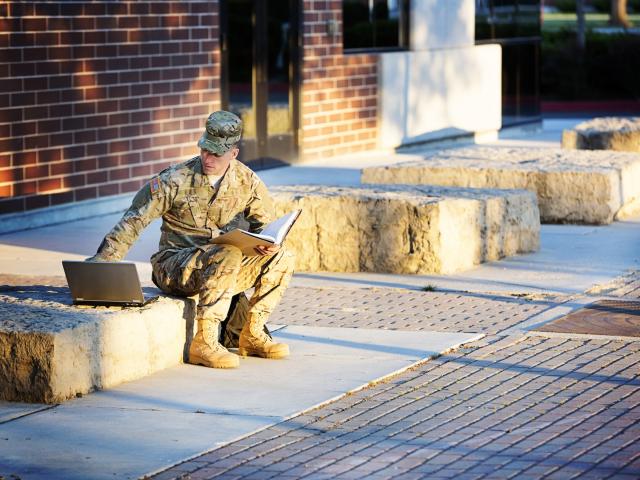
(501, 19)
(375, 24)
(515, 25)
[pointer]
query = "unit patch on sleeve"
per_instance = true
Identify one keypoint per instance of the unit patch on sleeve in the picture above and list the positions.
(155, 186)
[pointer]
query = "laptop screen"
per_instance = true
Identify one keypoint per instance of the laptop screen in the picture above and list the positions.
(103, 283)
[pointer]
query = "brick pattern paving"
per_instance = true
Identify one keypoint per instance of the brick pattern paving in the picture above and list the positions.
(390, 309)
(504, 407)
(397, 309)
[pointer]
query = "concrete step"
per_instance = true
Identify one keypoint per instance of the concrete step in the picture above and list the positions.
(407, 228)
(572, 186)
(51, 351)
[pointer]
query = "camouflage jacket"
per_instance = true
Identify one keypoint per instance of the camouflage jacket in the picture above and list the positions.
(193, 212)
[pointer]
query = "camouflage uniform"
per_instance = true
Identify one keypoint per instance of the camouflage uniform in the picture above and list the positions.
(193, 213)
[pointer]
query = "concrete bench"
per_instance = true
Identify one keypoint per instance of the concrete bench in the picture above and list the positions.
(572, 186)
(606, 133)
(407, 228)
(51, 351)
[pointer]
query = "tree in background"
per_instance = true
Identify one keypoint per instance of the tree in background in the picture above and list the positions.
(619, 13)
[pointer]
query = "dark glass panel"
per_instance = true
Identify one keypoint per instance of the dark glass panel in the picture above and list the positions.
(373, 23)
(279, 119)
(240, 47)
(507, 19)
(515, 25)
(358, 29)
(260, 76)
(520, 82)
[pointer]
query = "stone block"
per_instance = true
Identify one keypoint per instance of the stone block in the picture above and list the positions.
(572, 186)
(51, 351)
(405, 228)
(606, 133)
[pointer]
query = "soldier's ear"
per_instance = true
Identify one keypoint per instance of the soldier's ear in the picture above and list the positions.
(235, 151)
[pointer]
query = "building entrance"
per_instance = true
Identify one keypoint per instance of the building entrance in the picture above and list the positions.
(260, 76)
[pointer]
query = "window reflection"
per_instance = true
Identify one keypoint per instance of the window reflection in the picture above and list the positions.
(507, 18)
(516, 26)
(374, 23)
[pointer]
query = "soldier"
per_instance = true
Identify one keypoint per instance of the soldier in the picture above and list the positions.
(198, 200)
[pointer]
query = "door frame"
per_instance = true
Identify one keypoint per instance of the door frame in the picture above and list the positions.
(260, 78)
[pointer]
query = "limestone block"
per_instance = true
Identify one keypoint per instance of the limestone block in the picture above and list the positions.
(51, 351)
(589, 187)
(606, 133)
(406, 229)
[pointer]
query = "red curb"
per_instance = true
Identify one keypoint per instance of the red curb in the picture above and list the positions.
(610, 106)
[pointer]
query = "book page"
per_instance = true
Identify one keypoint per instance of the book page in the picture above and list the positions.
(245, 241)
(278, 229)
(273, 233)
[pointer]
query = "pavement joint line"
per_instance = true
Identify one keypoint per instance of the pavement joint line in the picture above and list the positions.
(556, 436)
(631, 459)
(552, 313)
(321, 404)
(585, 336)
(625, 445)
(591, 415)
(484, 418)
(481, 419)
(18, 417)
(415, 424)
(367, 433)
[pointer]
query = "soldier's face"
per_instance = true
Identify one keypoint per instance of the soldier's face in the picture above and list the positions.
(213, 164)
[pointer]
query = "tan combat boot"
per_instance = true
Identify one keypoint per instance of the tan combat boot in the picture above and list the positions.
(255, 342)
(206, 350)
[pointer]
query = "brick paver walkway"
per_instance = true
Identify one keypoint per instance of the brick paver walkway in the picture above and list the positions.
(507, 406)
(529, 407)
(399, 309)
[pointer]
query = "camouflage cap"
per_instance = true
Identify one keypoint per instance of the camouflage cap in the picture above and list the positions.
(223, 131)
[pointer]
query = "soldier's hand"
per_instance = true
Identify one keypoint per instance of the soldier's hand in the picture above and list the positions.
(270, 250)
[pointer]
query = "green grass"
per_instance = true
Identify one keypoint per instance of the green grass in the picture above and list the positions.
(553, 22)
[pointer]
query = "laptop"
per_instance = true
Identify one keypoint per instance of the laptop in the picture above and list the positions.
(103, 283)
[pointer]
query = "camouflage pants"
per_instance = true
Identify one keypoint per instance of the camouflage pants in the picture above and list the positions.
(217, 273)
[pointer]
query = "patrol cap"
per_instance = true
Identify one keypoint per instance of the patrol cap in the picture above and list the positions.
(223, 131)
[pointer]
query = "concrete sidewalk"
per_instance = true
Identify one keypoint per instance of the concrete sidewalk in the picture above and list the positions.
(514, 404)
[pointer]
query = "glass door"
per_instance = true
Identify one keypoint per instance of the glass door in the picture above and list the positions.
(260, 76)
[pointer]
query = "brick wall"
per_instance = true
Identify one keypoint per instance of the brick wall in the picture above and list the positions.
(339, 92)
(97, 96)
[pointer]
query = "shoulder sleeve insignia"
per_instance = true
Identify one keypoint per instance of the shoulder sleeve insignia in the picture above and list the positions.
(155, 186)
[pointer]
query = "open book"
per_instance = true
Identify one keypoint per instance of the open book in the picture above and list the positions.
(272, 234)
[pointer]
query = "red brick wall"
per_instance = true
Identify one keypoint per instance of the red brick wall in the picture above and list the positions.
(97, 96)
(339, 92)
